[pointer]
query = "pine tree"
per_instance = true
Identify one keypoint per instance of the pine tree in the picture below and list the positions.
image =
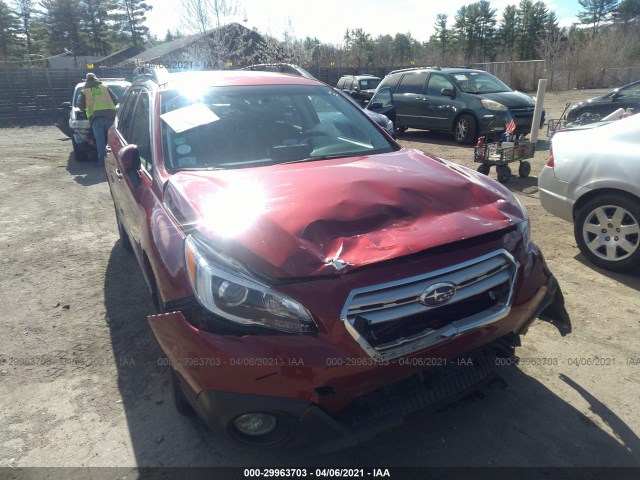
(25, 10)
(62, 19)
(442, 34)
(508, 31)
(130, 19)
(95, 20)
(595, 12)
(9, 27)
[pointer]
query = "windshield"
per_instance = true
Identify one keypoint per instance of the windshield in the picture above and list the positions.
(249, 126)
(369, 84)
(479, 82)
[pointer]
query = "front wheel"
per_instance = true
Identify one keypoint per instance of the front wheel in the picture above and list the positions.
(465, 129)
(607, 231)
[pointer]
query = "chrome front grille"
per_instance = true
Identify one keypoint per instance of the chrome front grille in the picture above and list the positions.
(390, 320)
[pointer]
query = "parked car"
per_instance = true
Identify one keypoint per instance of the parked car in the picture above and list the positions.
(591, 179)
(360, 87)
(463, 101)
(625, 97)
(384, 119)
(315, 281)
(79, 127)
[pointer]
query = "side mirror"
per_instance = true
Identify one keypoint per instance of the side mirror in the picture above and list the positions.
(66, 105)
(448, 92)
(130, 158)
(375, 105)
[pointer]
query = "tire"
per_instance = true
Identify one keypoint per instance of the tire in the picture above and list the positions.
(484, 169)
(503, 173)
(607, 231)
(180, 401)
(400, 130)
(465, 129)
(80, 154)
(524, 169)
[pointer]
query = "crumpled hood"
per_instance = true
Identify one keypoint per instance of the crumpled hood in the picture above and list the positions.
(328, 217)
(511, 99)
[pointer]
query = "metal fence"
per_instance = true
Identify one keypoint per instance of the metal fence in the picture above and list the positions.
(30, 96)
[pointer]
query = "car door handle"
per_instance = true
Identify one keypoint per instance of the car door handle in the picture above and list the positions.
(119, 174)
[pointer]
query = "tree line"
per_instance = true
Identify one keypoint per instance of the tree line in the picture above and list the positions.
(609, 29)
(30, 30)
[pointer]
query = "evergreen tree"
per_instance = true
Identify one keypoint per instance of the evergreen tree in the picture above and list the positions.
(95, 24)
(442, 34)
(25, 10)
(487, 27)
(359, 46)
(531, 20)
(9, 27)
(62, 19)
(508, 31)
(130, 18)
(627, 13)
(402, 48)
(595, 12)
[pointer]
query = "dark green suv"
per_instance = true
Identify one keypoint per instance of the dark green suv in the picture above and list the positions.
(463, 101)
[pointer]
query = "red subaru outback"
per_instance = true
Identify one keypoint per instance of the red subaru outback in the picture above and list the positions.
(316, 282)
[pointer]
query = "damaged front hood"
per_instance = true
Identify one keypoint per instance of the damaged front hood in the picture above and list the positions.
(331, 216)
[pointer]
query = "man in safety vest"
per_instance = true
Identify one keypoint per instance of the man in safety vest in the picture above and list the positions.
(100, 105)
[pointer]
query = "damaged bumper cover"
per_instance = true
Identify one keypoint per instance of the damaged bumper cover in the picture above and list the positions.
(315, 408)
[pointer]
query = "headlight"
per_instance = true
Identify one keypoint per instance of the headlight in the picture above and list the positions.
(492, 105)
(226, 288)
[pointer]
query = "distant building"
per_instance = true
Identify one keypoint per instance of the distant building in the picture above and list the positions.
(118, 57)
(229, 46)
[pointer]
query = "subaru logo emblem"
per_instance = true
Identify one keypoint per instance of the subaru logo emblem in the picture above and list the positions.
(437, 294)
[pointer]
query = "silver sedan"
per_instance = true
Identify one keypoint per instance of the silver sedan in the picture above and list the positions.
(592, 179)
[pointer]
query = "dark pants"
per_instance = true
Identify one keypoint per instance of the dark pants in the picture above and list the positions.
(100, 127)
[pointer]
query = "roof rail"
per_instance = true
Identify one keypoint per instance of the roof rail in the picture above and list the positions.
(414, 68)
(156, 74)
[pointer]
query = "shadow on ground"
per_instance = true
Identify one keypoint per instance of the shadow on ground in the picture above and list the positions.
(524, 424)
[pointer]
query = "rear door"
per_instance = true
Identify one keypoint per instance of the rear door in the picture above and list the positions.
(411, 101)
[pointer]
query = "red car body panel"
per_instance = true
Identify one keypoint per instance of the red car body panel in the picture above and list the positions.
(372, 209)
(320, 231)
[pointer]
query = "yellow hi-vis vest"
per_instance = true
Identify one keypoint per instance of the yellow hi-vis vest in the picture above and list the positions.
(97, 98)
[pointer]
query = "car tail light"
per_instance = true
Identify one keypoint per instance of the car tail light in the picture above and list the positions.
(550, 161)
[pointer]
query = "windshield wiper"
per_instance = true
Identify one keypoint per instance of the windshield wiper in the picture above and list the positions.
(320, 157)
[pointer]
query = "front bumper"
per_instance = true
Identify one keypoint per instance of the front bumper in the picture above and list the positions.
(322, 404)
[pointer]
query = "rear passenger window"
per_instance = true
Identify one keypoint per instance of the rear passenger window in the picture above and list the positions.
(412, 83)
(125, 112)
(140, 132)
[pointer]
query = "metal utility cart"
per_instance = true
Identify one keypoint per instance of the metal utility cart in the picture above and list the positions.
(500, 154)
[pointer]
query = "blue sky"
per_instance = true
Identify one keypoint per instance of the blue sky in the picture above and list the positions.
(328, 19)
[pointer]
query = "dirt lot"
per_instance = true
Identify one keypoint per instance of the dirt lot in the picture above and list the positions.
(83, 382)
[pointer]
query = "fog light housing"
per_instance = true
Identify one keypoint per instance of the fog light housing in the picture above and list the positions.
(255, 424)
